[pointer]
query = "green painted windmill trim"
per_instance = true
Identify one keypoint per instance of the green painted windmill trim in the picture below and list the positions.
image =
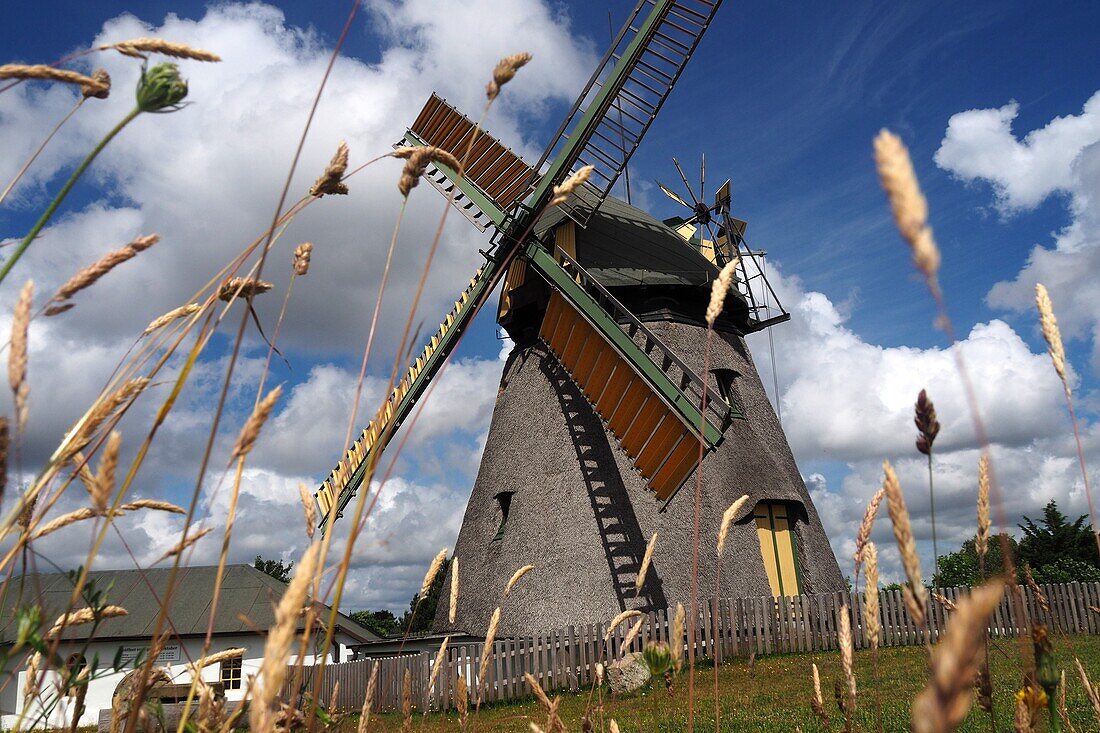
(545, 264)
(475, 194)
(599, 106)
(485, 282)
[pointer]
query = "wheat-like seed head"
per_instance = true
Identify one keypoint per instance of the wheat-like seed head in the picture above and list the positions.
(928, 427)
(981, 542)
(330, 181)
(913, 592)
(719, 289)
(302, 255)
(162, 506)
(438, 664)
(676, 638)
(433, 570)
(632, 634)
(368, 699)
(944, 601)
(639, 581)
(17, 356)
(536, 688)
(504, 72)
(64, 520)
(452, 609)
(83, 432)
(242, 287)
(727, 520)
(628, 614)
(612, 726)
(868, 523)
(817, 702)
(910, 208)
(1090, 689)
(870, 594)
(1040, 597)
(41, 72)
(34, 663)
(406, 703)
(251, 430)
(104, 482)
(218, 657)
(101, 89)
(1051, 333)
(175, 314)
(416, 162)
(947, 698)
(570, 184)
(516, 578)
(138, 47)
(844, 640)
(186, 542)
(309, 508)
(487, 649)
(86, 277)
(279, 638)
(84, 616)
(462, 703)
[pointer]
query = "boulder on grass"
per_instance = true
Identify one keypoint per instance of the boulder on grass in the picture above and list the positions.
(627, 674)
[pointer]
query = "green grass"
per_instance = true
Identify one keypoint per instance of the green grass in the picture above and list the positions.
(773, 695)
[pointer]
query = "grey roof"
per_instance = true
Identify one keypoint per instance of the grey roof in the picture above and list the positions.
(246, 603)
(623, 246)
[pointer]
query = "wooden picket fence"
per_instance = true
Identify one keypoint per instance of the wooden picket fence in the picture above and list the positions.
(566, 658)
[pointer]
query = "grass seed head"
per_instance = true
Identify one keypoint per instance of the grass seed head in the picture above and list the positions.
(416, 162)
(86, 277)
(302, 254)
(138, 47)
(913, 591)
(309, 507)
(452, 609)
(1051, 332)
(870, 594)
(243, 287)
(173, 315)
(251, 430)
(516, 578)
(719, 289)
(727, 520)
(186, 542)
(78, 515)
(101, 89)
(570, 184)
(330, 181)
(162, 506)
(625, 615)
(17, 355)
(928, 427)
(676, 638)
(433, 570)
(910, 208)
(863, 536)
(639, 581)
(981, 541)
(42, 72)
(368, 699)
(504, 72)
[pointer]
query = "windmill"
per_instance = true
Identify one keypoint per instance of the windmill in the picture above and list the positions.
(601, 413)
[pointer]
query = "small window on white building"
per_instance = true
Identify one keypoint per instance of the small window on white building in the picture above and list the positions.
(231, 674)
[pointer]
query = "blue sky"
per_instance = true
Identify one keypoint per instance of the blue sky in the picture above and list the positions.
(783, 98)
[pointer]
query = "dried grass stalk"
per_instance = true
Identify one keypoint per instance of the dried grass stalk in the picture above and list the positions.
(727, 520)
(309, 508)
(406, 703)
(84, 616)
(104, 483)
(817, 702)
(56, 310)
(101, 89)
(97, 414)
(416, 162)
(433, 570)
(1090, 689)
(844, 640)
(487, 649)
(629, 614)
(30, 684)
(676, 638)
(639, 581)
(162, 506)
(251, 430)
(268, 686)
(452, 610)
(329, 181)
(437, 665)
(612, 726)
(516, 578)
(944, 601)
(302, 255)
(914, 593)
(1040, 597)
(1051, 332)
(86, 277)
(64, 520)
(1021, 718)
(910, 208)
(185, 543)
(368, 699)
(41, 72)
(928, 427)
(219, 657)
(870, 595)
(17, 356)
(243, 287)
(1063, 712)
(570, 184)
(981, 542)
(536, 688)
(632, 635)
(719, 289)
(868, 523)
(945, 701)
(138, 47)
(173, 315)
(504, 72)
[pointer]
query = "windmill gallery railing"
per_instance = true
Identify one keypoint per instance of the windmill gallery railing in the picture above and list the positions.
(565, 659)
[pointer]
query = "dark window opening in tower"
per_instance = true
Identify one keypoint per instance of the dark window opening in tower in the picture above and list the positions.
(504, 501)
(725, 379)
(775, 528)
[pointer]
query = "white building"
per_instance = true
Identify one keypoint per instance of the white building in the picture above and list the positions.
(245, 613)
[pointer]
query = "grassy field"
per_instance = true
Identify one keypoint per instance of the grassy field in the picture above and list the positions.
(773, 695)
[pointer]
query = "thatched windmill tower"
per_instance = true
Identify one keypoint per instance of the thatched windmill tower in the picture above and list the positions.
(601, 411)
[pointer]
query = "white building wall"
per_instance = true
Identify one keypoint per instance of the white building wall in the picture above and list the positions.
(101, 689)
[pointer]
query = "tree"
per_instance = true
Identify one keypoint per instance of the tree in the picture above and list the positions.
(961, 568)
(275, 568)
(1055, 538)
(383, 622)
(416, 620)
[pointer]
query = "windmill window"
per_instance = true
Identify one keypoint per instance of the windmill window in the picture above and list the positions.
(504, 501)
(231, 674)
(778, 546)
(725, 379)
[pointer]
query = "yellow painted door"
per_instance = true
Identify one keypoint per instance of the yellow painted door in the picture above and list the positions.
(777, 547)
